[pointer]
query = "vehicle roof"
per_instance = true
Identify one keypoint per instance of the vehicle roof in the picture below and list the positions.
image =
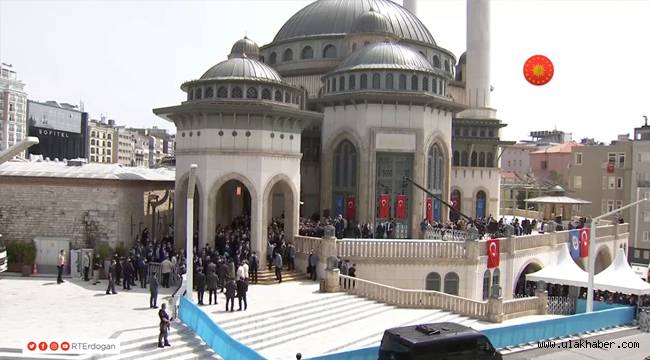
(451, 331)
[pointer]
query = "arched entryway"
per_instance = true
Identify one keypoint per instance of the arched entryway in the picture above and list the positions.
(523, 287)
(481, 203)
(452, 283)
(280, 209)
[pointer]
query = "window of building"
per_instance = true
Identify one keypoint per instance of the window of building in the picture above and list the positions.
(352, 82)
(307, 53)
(611, 182)
(451, 283)
(287, 97)
(434, 86)
(436, 61)
(402, 82)
(108, 144)
(273, 58)
(209, 92)
(251, 93)
(481, 159)
(543, 165)
(619, 204)
(222, 92)
(610, 205)
(447, 69)
(389, 81)
(288, 55)
(237, 92)
(621, 160)
(266, 94)
(646, 236)
(619, 183)
(364, 81)
(333, 84)
(109, 137)
(11, 107)
(577, 182)
(464, 158)
(435, 166)
(432, 282)
(578, 158)
(490, 160)
(341, 83)
(456, 158)
(414, 83)
(611, 157)
(278, 95)
(425, 83)
(376, 82)
(474, 159)
(198, 93)
(329, 52)
(486, 284)
(92, 134)
(92, 150)
(646, 216)
(92, 141)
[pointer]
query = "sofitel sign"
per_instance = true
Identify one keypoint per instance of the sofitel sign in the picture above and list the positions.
(53, 133)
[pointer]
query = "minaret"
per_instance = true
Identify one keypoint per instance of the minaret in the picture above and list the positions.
(477, 84)
(411, 5)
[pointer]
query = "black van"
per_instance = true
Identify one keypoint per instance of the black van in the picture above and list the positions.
(439, 341)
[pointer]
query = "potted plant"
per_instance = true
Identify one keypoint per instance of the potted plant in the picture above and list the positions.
(21, 256)
(29, 258)
(105, 253)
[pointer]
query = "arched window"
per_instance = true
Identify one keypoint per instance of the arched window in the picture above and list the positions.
(273, 58)
(341, 83)
(474, 159)
(447, 65)
(288, 55)
(329, 52)
(92, 141)
(198, 93)
(414, 83)
(92, 134)
(434, 86)
(364, 81)
(307, 53)
(456, 158)
(333, 84)
(490, 160)
(353, 82)
(436, 61)
(287, 97)
(345, 174)
(402, 82)
(251, 93)
(451, 283)
(432, 281)
(486, 284)
(496, 277)
(456, 204)
(190, 94)
(480, 204)
(481, 159)
(278, 95)
(209, 92)
(464, 159)
(236, 92)
(436, 170)
(266, 94)
(425, 83)
(389, 81)
(222, 92)
(376, 81)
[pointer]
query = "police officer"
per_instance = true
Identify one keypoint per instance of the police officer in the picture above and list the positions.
(164, 326)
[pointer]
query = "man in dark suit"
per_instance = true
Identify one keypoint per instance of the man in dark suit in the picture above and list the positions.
(254, 267)
(222, 270)
(164, 326)
(128, 272)
(200, 284)
(211, 281)
(153, 291)
(242, 288)
(111, 279)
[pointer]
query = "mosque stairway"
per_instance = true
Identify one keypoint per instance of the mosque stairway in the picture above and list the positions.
(267, 277)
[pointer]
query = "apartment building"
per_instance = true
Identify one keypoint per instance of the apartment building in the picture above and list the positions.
(13, 108)
(102, 136)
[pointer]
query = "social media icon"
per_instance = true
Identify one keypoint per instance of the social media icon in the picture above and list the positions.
(54, 346)
(31, 346)
(65, 346)
(42, 346)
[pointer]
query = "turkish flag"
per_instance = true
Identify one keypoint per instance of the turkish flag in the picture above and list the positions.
(610, 167)
(584, 242)
(384, 211)
(400, 208)
(429, 209)
(350, 208)
(493, 253)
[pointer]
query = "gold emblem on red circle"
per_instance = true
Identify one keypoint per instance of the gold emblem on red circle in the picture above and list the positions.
(538, 70)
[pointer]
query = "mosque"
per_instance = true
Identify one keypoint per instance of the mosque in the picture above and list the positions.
(349, 98)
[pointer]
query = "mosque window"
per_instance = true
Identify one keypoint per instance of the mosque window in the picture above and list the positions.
(465, 132)
(433, 281)
(435, 161)
(436, 61)
(376, 82)
(434, 87)
(273, 58)
(287, 97)
(329, 52)
(288, 55)
(345, 169)
(486, 284)
(414, 83)
(251, 93)
(341, 83)
(491, 133)
(447, 65)
(425, 83)
(237, 92)
(402, 82)
(456, 158)
(353, 82)
(490, 160)
(209, 92)
(464, 157)
(278, 95)
(474, 162)
(389, 81)
(451, 283)
(474, 132)
(482, 132)
(364, 81)
(333, 84)
(190, 95)
(266, 94)
(222, 92)
(481, 159)
(307, 53)
(197, 93)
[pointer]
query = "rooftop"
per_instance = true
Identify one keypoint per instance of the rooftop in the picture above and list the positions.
(561, 148)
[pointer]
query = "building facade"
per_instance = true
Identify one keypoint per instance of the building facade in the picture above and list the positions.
(125, 149)
(13, 108)
(640, 189)
(551, 164)
(102, 139)
(62, 130)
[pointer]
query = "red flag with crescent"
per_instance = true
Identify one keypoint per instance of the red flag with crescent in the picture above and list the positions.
(493, 253)
(400, 207)
(430, 209)
(384, 212)
(584, 242)
(350, 208)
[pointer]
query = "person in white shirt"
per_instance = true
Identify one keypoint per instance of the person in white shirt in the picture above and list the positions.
(60, 264)
(245, 266)
(240, 272)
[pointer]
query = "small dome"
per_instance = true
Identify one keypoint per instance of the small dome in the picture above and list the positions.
(242, 68)
(246, 47)
(463, 59)
(372, 22)
(386, 56)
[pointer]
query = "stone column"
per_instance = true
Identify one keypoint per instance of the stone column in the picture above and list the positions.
(495, 310)
(542, 294)
(258, 244)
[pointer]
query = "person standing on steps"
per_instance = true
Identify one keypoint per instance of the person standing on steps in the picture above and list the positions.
(86, 265)
(164, 326)
(242, 288)
(211, 281)
(166, 269)
(153, 291)
(231, 287)
(128, 272)
(222, 270)
(277, 262)
(254, 267)
(142, 268)
(291, 255)
(111, 278)
(352, 272)
(200, 285)
(60, 264)
(313, 264)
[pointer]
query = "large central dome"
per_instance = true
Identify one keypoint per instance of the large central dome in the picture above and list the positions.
(338, 17)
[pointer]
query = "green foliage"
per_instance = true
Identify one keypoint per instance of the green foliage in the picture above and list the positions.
(20, 252)
(121, 250)
(104, 251)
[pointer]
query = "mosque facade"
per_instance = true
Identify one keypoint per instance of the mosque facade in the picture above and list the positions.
(328, 119)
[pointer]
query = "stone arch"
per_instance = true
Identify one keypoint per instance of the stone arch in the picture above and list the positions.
(433, 281)
(290, 207)
(433, 139)
(180, 208)
(528, 267)
(475, 202)
(603, 259)
(452, 283)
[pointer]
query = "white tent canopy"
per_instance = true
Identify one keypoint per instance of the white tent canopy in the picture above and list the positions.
(619, 277)
(564, 272)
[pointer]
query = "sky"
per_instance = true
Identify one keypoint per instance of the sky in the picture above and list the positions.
(124, 58)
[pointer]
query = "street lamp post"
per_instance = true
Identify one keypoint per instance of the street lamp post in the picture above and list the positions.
(592, 251)
(189, 235)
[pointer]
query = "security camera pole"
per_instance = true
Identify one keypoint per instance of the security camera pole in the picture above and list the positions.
(189, 236)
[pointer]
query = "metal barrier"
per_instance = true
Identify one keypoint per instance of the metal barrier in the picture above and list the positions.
(561, 305)
(451, 235)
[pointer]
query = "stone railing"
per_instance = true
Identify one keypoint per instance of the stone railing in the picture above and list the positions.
(396, 248)
(304, 244)
(450, 235)
(494, 310)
